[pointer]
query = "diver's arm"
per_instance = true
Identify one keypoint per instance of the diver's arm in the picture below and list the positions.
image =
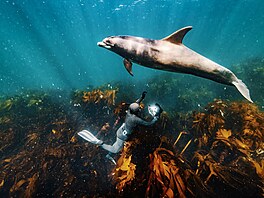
(142, 97)
(145, 123)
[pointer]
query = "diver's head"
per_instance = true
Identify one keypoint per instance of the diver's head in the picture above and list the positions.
(134, 108)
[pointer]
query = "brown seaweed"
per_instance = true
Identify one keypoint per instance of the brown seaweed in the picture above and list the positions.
(209, 153)
(224, 156)
(96, 96)
(124, 173)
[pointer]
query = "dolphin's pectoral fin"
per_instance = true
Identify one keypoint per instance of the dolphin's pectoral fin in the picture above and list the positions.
(177, 36)
(128, 66)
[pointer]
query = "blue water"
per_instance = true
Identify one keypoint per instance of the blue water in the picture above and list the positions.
(52, 44)
(48, 49)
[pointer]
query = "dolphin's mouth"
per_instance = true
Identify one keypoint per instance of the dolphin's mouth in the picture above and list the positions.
(105, 44)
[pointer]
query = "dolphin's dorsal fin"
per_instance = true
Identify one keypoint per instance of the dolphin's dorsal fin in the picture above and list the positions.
(177, 36)
(128, 66)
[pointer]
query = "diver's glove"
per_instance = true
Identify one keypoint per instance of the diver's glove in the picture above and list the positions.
(142, 97)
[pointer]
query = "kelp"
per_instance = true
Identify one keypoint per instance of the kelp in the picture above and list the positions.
(165, 179)
(41, 154)
(215, 156)
(230, 153)
(124, 173)
(97, 96)
(215, 152)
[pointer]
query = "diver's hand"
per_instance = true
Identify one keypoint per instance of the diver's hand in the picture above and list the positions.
(143, 94)
(155, 118)
(142, 97)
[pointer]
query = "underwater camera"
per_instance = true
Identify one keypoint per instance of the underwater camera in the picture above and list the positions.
(155, 110)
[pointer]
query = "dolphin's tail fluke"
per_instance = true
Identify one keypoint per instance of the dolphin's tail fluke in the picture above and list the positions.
(242, 88)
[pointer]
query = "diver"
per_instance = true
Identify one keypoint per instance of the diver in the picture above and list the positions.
(132, 120)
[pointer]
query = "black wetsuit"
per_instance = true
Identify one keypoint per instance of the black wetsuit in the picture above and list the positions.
(131, 122)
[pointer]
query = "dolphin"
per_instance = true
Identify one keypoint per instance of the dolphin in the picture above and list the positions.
(170, 54)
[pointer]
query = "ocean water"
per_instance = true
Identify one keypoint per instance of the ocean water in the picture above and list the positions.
(55, 81)
(52, 44)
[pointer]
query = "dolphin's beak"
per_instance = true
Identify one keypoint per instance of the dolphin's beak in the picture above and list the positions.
(102, 44)
(105, 44)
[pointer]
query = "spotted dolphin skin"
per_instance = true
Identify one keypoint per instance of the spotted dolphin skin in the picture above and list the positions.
(170, 54)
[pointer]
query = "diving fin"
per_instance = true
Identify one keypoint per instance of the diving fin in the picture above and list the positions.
(88, 136)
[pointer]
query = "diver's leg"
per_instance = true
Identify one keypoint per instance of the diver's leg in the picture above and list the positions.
(116, 147)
